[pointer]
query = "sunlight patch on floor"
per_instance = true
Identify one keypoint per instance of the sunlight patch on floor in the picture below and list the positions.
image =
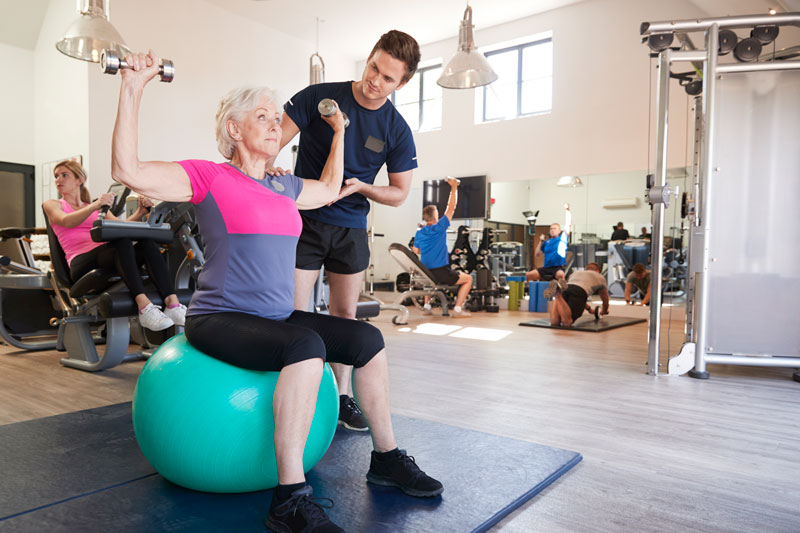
(480, 334)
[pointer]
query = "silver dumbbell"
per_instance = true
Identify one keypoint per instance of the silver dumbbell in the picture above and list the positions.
(111, 64)
(327, 107)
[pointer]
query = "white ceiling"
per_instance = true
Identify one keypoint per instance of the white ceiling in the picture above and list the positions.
(20, 22)
(348, 26)
(351, 27)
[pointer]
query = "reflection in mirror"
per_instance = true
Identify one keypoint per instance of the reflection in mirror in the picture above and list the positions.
(597, 207)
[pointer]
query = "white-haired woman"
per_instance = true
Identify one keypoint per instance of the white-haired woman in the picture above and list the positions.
(243, 309)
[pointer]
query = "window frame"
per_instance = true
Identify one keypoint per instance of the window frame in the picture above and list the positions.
(420, 95)
(518, 48)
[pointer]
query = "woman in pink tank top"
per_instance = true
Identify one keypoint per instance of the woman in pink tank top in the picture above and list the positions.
(72, 216)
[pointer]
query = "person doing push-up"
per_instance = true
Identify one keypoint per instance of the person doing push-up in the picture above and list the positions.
(571, 296)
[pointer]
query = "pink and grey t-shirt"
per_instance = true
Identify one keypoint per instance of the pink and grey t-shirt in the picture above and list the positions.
(75, 241)
(250, 229)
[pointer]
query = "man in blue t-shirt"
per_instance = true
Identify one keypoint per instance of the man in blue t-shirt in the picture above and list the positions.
(431, 243)
(336, 235)
(554, 250)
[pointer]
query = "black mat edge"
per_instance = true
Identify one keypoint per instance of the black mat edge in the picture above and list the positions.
(532, 324)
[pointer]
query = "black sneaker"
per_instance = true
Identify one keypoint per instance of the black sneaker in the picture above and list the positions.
(350, 416)
(401, 471)
(301, 514)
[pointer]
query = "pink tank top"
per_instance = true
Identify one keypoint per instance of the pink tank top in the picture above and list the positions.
(75, 241)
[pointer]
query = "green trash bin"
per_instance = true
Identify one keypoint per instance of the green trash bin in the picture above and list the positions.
(516, 291)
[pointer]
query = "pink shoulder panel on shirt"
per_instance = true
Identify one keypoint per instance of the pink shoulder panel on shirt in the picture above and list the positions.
(246, 206)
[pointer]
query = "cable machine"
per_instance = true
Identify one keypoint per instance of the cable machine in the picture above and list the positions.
(743, 240)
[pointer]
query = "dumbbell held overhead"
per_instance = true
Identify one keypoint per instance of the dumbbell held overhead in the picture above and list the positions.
(111, 63)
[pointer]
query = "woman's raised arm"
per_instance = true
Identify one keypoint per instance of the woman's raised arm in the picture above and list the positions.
(162, 180)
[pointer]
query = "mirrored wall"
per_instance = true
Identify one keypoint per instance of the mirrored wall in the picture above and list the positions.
(598, 204)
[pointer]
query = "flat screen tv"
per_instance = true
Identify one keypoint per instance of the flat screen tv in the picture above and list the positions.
(472, 196)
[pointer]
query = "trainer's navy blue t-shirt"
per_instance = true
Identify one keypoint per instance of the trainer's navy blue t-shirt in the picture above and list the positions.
(374, 137)
(432, 243)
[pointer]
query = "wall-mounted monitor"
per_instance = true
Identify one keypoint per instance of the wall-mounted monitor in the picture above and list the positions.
(472, 196)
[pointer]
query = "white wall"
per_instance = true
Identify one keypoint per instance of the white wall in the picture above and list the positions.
(509, 199)
(16, 105)
(61, 103)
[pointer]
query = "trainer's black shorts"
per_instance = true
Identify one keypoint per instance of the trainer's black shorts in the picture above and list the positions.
(444, 275)
(548, 273)
(341, 250)
(576, 299)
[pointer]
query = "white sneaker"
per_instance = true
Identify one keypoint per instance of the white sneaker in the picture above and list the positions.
(153, 319)
(177, 314)
(427, 311)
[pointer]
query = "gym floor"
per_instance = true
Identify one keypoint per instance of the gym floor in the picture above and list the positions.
(660, 454)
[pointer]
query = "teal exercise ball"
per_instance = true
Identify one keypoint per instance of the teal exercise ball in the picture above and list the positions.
(206, 425)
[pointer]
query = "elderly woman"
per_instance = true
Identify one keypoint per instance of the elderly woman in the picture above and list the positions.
(243, 310)
(72, 216)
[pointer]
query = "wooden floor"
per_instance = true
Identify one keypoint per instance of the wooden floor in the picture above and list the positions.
(660, 453)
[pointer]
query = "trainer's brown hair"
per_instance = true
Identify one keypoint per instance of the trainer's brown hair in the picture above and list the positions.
(639, 268)
(400, 46)
(593, 266)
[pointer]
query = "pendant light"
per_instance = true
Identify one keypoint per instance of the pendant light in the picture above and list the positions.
(90, 33)
(468, 68)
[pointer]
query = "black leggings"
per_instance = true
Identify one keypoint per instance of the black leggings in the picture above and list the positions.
(126, 257)
(257, 343)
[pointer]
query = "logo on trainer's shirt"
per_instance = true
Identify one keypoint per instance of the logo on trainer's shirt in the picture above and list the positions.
(277, 185)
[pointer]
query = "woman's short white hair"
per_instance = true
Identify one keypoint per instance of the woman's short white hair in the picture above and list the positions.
(234, 106)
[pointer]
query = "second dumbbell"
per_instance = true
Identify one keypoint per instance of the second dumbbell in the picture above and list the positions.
(328, 107)
(111, 64)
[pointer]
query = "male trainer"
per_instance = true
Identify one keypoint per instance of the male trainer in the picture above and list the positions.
(336, 235)
(430, 243)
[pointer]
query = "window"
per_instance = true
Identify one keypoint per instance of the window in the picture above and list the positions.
(420, 101)
(524, 83)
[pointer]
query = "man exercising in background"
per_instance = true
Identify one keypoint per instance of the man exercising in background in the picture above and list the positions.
(554, 250)
(336, 235)
(571, 296)
(430, 243)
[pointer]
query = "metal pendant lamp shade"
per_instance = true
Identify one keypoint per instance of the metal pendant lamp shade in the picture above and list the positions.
(316, 66)
(91, 33)
(468, 68)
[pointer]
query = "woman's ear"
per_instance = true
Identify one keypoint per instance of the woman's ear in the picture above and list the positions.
(233, 130)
